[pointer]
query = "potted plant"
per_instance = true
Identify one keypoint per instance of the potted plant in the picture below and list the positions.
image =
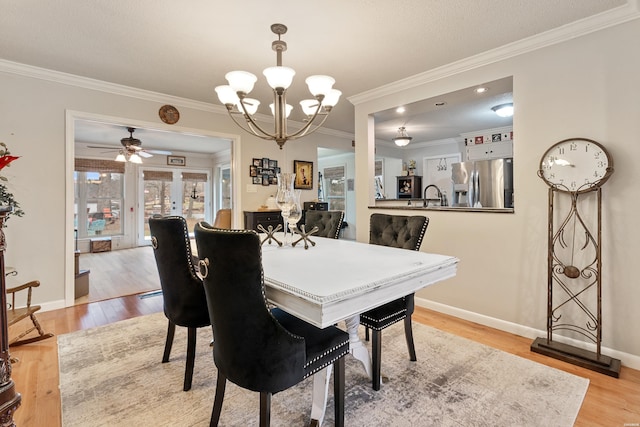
(6, 196)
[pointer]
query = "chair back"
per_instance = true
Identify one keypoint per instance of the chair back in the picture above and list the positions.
(328, 223)
(251, 348)
(398, 231)
(223, 219)
(182, 290)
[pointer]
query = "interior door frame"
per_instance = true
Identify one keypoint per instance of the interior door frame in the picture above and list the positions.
(70, 117)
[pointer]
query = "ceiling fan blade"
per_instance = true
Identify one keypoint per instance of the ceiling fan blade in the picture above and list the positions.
(145, 154)
(103, 147)
(161, 152)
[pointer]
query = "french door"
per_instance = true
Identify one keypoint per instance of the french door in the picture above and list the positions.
(173, 192)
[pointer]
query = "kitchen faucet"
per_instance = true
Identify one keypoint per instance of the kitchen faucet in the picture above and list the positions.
(441, 198)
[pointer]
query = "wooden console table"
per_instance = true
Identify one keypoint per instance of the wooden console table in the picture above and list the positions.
(9, 398)
(264, 218)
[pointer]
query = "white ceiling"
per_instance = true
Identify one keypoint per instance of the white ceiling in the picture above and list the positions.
(184, 49)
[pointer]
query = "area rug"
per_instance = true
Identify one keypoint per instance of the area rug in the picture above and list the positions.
(112, 376)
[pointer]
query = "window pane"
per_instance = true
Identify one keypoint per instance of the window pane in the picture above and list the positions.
(98, 199)
(157, 200)
(193, 203)
(104, 195)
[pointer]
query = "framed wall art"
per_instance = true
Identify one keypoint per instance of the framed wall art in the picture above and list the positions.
(304, 174)
(176, 160)
(264, 171)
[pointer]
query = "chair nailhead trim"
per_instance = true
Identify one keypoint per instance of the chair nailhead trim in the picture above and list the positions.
(328, 362)
(379, 328)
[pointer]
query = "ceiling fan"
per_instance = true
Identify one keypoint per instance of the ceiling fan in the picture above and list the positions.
(132, 150)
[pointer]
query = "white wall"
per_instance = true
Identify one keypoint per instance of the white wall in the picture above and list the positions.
(586, 87)
(34, 107)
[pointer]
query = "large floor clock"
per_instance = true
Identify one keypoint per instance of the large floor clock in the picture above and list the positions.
(575, 170)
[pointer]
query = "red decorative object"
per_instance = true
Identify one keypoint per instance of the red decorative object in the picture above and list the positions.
(5, 160)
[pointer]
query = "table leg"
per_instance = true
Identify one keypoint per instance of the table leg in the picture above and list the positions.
(356, 346)
(321, 379)
(320, 394)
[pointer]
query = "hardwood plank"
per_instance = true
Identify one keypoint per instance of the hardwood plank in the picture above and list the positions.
(609, 401)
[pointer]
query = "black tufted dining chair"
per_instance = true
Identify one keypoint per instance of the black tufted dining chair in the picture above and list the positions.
(328, 223)
(256, 348)
(397, 231)
(182, 291)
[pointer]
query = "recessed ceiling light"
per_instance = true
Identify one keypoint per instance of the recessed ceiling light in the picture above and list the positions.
(481, 89)
(400, 110)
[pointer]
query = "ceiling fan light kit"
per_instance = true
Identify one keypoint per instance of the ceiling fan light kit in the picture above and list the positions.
(132, 150)
(279, 78)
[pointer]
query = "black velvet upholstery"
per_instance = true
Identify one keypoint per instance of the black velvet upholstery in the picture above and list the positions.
(182, 291)
(328, 223)
(396, 231)
(256, 348)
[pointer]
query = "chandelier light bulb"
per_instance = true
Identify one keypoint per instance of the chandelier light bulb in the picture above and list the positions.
(309, 106)
(250, 104)
(287, 109)
(319, 85)
(331, 98)
(227, 95)
(279, 77)
(241, 81)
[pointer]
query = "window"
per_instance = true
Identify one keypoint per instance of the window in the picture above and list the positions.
(335, 187)
(98, 190)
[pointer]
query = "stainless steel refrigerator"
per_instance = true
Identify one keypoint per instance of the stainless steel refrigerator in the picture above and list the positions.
(483, 183)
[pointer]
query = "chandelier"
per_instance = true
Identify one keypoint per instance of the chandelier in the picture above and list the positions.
(234, 97)
(402, 139)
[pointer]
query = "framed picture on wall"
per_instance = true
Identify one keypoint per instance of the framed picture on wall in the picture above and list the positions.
(176, 160)
(304, 174)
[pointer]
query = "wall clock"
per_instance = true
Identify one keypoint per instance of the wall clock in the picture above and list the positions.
(575, 170)
(576, 165)
(169, 114)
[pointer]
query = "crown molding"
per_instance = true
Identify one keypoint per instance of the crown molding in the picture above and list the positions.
(610, 18)
(142, 94)
(102, 86)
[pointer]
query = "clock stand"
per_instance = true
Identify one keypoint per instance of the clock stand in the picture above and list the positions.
(574, 263)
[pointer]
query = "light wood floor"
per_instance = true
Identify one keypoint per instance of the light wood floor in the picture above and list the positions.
(119, 273)
(609, 401)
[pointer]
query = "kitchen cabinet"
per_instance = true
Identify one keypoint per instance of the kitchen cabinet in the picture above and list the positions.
(266, 218)
(490, 150)
(409, 187)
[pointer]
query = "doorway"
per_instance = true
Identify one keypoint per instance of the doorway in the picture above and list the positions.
(172, 192)
(99, 137)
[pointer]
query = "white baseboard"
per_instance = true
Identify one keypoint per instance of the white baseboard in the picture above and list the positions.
(52, 305)
(627, 359)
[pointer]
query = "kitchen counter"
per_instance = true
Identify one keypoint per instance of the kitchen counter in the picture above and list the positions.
(417, 205)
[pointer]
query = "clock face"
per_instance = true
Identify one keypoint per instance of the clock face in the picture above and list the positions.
(576, 165)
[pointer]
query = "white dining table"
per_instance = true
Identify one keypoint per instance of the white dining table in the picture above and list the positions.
(336, 280)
